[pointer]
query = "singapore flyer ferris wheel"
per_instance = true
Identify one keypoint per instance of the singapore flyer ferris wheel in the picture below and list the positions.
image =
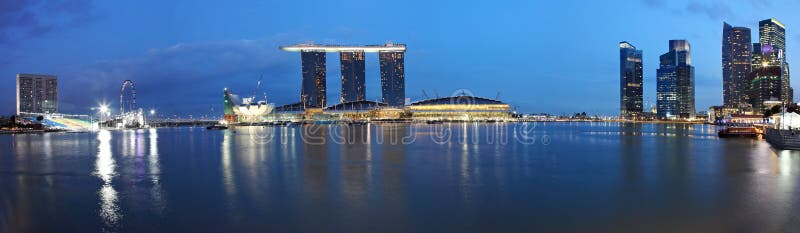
(127, 97)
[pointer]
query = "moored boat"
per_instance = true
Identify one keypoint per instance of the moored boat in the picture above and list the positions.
(216, 127)
(739, 131)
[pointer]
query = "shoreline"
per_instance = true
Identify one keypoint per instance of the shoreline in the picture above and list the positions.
(41, 131)
(34, 131)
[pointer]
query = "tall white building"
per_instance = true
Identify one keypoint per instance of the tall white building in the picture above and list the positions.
(37, 93)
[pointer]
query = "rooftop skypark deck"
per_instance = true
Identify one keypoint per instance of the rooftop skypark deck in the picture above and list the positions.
(389, 47)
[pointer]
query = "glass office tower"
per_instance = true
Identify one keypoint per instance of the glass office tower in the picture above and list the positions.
(772, 36)
(764, 85)
(736, 64)
(630, 87)
(675, 82)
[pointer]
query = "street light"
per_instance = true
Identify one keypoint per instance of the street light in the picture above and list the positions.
(103, 112)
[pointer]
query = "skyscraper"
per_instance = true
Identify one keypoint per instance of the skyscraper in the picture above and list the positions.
(756, 60)
(37, 93)
(772, 36)
(772, 32)
(630, 87)
(393, 85)
(736, 64)
(312, 93)
(675, 82)
(392, 69)
(353, 76)
(764, 85)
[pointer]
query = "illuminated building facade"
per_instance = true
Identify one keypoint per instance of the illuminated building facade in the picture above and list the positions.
(393, 86)
(37, 93)
(245, 110)
(227, 106)
(772, 32)
(460, 108)
(630, 71)
(675, 82)
(772, 36)
(736, 65)
(765, 83)
(756, 60)
(716, 113)
(312, 93)
(353, 76)
(361, 110)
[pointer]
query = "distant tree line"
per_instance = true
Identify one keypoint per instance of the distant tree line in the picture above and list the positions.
(11, 122)
(6, 122)
(583, 116)
(777, 109)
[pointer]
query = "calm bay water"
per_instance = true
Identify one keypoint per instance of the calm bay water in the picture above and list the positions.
(535, 177)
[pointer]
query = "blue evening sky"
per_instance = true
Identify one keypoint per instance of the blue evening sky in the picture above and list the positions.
(541, 56)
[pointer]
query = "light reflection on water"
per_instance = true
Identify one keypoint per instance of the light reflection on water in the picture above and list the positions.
(610, 176)
(105, 170)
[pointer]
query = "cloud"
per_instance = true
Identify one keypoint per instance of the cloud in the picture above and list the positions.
(654, 3)
(188, 78)
(713, 10)
(24, 19)
(760, 3)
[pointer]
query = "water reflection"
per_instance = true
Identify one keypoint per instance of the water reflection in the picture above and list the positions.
(354, 166)
(154, 169)
(315, 167)
(631, 153)
(105, 170)
(629, 175)
(227, 169)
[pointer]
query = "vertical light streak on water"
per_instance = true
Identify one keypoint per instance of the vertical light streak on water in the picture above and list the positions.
(466, 172)
(368, 147)
(140, 150)
(154, 169)
(105, 170)
(227, 169)
(787, 186)
(47, 145)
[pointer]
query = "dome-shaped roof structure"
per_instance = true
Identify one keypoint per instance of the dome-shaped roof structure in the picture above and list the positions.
(462, 99)
(359, 105)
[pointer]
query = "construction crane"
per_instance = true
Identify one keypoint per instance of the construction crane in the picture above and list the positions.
(258, 86)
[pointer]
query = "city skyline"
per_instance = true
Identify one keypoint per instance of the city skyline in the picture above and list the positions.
(185, 66)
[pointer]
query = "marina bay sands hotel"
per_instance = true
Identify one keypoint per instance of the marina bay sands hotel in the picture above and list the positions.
(312, 56)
